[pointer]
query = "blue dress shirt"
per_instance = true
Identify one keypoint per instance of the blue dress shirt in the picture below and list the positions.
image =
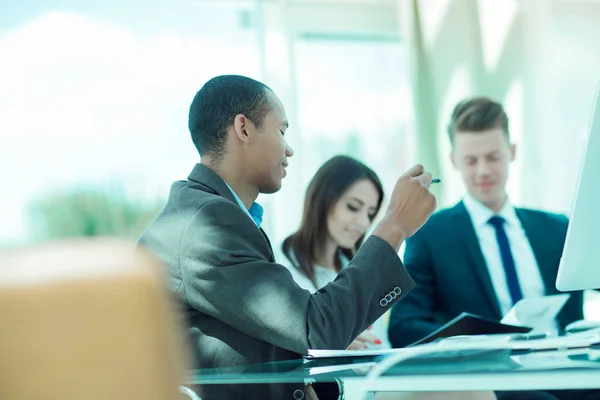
(255, 212)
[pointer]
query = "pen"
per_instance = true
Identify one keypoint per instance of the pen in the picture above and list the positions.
(436, 180)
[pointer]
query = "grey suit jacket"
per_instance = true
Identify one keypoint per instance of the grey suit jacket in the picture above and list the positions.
(241, 306)
(446, 262)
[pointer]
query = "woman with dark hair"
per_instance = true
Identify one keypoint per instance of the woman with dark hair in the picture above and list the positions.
(341, 202)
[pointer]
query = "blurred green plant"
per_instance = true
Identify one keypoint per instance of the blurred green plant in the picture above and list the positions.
(91, 212)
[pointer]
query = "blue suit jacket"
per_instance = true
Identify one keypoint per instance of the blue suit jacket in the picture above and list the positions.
(445, 261)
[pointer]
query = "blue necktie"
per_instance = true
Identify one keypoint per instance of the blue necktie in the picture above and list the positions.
(507, 259)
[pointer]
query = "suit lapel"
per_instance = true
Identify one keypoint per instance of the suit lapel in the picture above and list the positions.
(467, 236)
(537, 240)
(203, 175)
(271, 255)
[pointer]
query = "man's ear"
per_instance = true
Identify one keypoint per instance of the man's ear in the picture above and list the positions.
(513, 152)
(452, 159)
(240, 126)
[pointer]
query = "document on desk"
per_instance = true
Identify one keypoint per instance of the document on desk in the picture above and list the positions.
(523, 342)
(578, 358)
(536, 312)
(318, 353)
(361, 368)
(467, 325)
(453, 353)
(436, 358)
(372, 354)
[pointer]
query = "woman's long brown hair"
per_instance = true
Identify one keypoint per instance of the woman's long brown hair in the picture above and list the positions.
(324, 190)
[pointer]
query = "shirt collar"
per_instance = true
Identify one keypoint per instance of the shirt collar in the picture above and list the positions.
(255, 212)
(481, 214)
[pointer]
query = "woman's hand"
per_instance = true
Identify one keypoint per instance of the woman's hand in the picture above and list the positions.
(361, 341)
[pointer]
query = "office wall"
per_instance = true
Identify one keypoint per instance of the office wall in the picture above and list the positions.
(538, 57)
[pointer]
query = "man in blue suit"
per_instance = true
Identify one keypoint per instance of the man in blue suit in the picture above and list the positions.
(484, 254)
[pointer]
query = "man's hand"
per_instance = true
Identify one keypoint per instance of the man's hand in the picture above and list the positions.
(409, 208)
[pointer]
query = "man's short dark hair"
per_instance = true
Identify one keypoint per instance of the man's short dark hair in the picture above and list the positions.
(477, 114)
(218, 102)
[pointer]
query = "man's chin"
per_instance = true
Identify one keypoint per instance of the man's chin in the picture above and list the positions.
(272, 188)
(485, 197)
(488, 198)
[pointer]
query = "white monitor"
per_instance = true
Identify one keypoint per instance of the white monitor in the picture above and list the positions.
(580, 263)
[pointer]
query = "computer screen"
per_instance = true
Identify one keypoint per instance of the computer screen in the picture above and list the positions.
(580, 263)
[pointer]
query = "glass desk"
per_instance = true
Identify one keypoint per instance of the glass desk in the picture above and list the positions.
(477, 370)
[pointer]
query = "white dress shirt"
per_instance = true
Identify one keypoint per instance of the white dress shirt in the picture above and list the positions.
(528, 271)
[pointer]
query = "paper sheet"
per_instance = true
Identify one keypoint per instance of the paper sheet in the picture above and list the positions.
(468, 346)
(538, 313)
(318, 353)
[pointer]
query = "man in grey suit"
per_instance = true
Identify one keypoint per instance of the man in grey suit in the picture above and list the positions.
(482, 255)
(243, 307)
